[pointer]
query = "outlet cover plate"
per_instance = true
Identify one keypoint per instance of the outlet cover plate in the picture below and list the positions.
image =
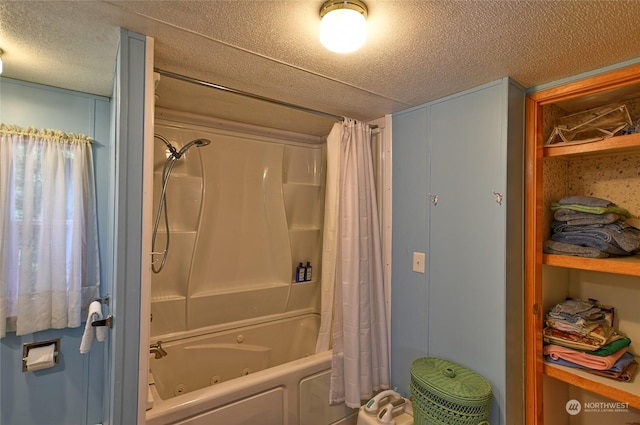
(418, 262)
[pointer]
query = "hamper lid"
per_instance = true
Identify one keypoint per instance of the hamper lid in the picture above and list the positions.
(449, 380)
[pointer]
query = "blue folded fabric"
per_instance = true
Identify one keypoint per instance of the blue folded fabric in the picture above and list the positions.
(582, 239)
(563, 362)
(622, 362)
(553, 247)
(619, 234)
(560, 226)
(596, 230)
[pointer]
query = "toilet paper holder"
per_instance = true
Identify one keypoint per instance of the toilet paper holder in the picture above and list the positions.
(27, 347)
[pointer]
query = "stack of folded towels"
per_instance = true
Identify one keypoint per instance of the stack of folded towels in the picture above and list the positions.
(580, 334)
(586, 226)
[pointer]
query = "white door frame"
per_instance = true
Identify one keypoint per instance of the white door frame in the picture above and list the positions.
(130, 236)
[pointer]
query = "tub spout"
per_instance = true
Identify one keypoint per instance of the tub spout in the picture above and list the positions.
(157, 350)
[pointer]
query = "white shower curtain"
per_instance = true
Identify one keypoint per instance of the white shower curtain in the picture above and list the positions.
(352, 271)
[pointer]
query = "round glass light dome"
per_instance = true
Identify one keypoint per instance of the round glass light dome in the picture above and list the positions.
(344, 29)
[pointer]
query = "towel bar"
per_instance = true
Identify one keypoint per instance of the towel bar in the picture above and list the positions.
(107, 321)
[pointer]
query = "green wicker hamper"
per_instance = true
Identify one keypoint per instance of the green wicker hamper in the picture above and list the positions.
(445, 393)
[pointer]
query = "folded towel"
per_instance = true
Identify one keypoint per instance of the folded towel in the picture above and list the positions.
(577, 307)
(622, 370)
(554, 247)
(583, 359)
(626, 375)
(579, 218)
(612, 346)
(589, 201)
(596, 339)
(581, 329)
(619, 234)
(563, 226)
(622, 362)
(592, 210)
(590, 241)
(99, 332)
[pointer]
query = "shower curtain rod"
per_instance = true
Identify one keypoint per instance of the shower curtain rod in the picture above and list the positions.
(246, 94)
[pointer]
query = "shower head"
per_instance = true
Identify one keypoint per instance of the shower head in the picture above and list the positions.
(173, 150)
(176, 154)
(197, 142)
(201, 142)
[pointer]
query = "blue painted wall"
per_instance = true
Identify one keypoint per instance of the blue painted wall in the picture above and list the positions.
(72, 392)
(410, 229)
(457, 148)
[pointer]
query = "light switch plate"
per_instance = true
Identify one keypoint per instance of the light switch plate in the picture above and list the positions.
(418, 262)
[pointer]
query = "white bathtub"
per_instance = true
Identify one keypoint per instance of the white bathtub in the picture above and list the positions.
(264, 374)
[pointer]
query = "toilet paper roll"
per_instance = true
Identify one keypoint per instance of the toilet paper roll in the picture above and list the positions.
(41, 357)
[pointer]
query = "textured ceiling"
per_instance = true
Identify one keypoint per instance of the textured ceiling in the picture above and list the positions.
(417, 51)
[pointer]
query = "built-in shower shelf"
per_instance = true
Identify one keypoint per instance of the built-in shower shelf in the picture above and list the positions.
(240, 288)
(176, 232)
(304, 282)
(302, 228)
(302, 184)
(163, 298)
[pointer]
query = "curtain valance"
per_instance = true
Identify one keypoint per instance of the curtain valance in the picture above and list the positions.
(46, 135)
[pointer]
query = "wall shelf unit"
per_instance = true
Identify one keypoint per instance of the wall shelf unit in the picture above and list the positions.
(303, 192)
(619, 145)
(620, 265)
(605, 169)
(623, 392)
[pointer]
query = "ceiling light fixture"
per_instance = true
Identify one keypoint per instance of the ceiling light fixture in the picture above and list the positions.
(343, 28)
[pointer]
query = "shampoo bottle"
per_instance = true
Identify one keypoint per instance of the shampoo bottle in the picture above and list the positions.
(308, 274)
(301, 273)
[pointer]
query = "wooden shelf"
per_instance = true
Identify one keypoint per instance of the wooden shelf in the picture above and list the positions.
(615, 145)
(624, 392)
(600, 169)
(619, 265)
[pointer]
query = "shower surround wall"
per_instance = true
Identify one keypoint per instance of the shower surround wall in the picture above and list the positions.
(243, 212)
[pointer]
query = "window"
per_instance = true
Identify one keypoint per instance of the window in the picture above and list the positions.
(49, 267)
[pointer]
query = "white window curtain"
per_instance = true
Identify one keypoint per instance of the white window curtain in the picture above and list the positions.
(49, 267)
(353, 298)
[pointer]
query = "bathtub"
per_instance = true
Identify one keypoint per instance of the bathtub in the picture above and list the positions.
(265, 374)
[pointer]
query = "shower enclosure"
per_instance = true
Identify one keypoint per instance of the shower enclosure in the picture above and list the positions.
(242, 212)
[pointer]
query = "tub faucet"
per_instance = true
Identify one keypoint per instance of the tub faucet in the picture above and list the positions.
(157, 350)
